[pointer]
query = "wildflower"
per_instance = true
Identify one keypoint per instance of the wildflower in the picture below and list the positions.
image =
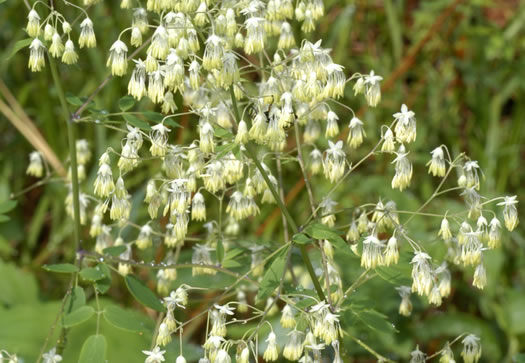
(435, 296)
(471, 349)
(405, 128)
(372, 255)
(447, 356)
(494, 233)
(388, 142)
(437, 163)
(124, 268)
(104, 185)
(159, 47)
(417, 356)
(87, 34)
(405, 308)
(159, 140)
(287, 317)
(391, 254)
(332, 128)
(286, 37)
(421, 273)
(444, 280)
(33, 24)
(56, 48)
(180, 359)
(214, 178)
(213, 53)
(316, 161)
(36, 165)
(52, 356)
(156, 86)
(242, 133)
(168, 105)
(294, 348)
(206, 138)
(327, 210)
(471, 174)
(328, 249)
(117, 59)
(154, 356)
(49, 31)
(36, 55)
(222, 357)
(244, 356)
(403, 169)
(353, 233)
(272, 351)
(69, 56)
(137, 82)
(356, 134)
(372, 89)
(83, 152)
(480, 277)
(144, 239)
(444, 231)
(510, 213)
(201, 256)
(471, 249)
(136, 37)
(164, 335)
(334, 163)
(198, 208)
(259, 128)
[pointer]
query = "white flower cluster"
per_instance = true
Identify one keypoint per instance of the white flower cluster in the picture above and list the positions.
(59, 45)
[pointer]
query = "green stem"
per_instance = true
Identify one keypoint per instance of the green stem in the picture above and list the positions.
(280, 203)
(71, 133)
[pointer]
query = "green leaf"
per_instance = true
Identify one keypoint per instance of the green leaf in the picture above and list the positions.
(18, 46)
(171, 123)
(153, 116)
(143, 294)
(125, 319)
(92, 273)
(220, 251)
(114, 250)
(7, 206)
(301, 239)
(76, 299)
(78, 316)
(104, 284)
(229, 258)
(74, 100)
(4, 218)
(126, 102)
(93, 350)
(222, 133)
(273, 275)
(320, 231)
(65, 268)
(137, 122)
(376, 321)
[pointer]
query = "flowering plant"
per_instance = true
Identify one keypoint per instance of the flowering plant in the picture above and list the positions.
(255, 99)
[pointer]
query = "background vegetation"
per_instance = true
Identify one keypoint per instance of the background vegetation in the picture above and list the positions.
(459, 66)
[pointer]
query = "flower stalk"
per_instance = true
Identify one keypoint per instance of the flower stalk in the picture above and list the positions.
(71, 134)
(282, 207)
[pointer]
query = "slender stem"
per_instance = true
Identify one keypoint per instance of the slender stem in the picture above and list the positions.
(71, 134)
(280, 203)
(281, 193)
(300, 159)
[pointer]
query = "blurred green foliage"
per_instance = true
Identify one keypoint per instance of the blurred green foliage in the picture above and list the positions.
(466, 87)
